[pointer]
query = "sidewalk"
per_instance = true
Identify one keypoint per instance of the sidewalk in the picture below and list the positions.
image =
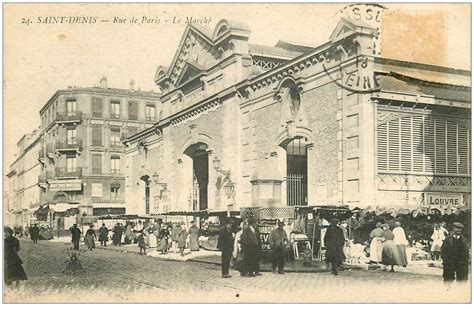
(214, 258)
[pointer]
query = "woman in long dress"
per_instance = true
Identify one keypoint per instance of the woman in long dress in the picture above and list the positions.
(389, 250)
(183, 236)
(90, 237)
(438, 237)
(163, 243)
(12, 263)
(193, 237)
(401, 242)
(376, 244)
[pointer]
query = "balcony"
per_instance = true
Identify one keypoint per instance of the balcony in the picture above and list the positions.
(74, 144)
(62, 172)
(50, 150)
(41, 156)
(116, 144)
(42, 181)
(69, 117)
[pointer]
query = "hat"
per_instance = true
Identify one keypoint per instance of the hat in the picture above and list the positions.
(458, 225)
(385, 225)
(379, 224)
(334, 220)
(7, 229)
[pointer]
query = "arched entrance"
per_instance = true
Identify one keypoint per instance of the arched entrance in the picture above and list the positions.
(296, 178)
(200, 176)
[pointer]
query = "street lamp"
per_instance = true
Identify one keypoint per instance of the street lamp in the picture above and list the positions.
(229, 189)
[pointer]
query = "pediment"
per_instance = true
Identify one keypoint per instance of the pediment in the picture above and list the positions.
(195, 53)
(190, 71)
(346, 27)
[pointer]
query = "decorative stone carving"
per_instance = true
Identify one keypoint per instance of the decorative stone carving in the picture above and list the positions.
(384, 116)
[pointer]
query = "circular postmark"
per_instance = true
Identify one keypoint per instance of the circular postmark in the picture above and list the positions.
(355, 74)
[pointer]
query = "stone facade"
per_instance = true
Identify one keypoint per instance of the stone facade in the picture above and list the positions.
(23, 191)
(82, 155)
(233, 110)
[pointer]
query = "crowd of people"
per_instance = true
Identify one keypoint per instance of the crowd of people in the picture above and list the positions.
(243, 246)
(171, 237)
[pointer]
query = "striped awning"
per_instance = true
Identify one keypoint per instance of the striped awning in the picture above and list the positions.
(108, 205)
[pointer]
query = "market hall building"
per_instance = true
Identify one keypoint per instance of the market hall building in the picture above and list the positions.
(292, 125)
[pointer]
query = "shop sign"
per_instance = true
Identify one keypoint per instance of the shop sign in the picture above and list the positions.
(443, 199)
(65, 185)
(265, 230)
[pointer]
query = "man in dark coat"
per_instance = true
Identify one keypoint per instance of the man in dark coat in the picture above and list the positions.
(75, 236)
(103, 235)
(455, 255)
(12, 263)
(34, 233)
(251, 248)
(118, 231)
(334, 242)
(278, 241)
(225, 243)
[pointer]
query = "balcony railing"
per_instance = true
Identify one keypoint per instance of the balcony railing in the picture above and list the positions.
(49, 148)
(41, 178)
(72, 116)
(41, 155)
(115, 144)
(69, 144)
(68, 172)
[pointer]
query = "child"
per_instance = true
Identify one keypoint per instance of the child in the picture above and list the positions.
(141, 243)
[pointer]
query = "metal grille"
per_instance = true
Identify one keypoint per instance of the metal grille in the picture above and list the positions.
(276, 213)
(195, 198)
(296, 190)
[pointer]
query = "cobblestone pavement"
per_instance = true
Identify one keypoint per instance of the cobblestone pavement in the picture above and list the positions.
(114, 276)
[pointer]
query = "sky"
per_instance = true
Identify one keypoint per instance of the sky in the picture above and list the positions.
(40, 58)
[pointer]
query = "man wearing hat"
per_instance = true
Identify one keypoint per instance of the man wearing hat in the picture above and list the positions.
(225, 243)
(278, 241)
(75, 236)
(251, 248)
(334, 243)
(455, 255)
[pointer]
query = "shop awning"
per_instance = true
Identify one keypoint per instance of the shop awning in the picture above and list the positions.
(62, 207)
(109, 205)
(398, 83)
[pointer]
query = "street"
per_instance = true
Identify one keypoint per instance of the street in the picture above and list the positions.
(115, 276)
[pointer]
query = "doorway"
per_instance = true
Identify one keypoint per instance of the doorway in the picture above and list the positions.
(200, 157)
(297, 173)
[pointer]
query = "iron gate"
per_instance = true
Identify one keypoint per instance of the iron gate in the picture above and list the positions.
(296, 190)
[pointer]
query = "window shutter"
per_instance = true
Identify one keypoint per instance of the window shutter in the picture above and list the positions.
(405, 144)
(440, 142)
(429, 137)
(394, 145)
(132, 110)
(96, 163)
(463, 150)
(97, 136)
(418, 144)
(96, 107)
(451, 143)
(382, 147)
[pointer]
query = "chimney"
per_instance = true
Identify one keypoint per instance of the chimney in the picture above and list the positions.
(103, 82)
(132, 85)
